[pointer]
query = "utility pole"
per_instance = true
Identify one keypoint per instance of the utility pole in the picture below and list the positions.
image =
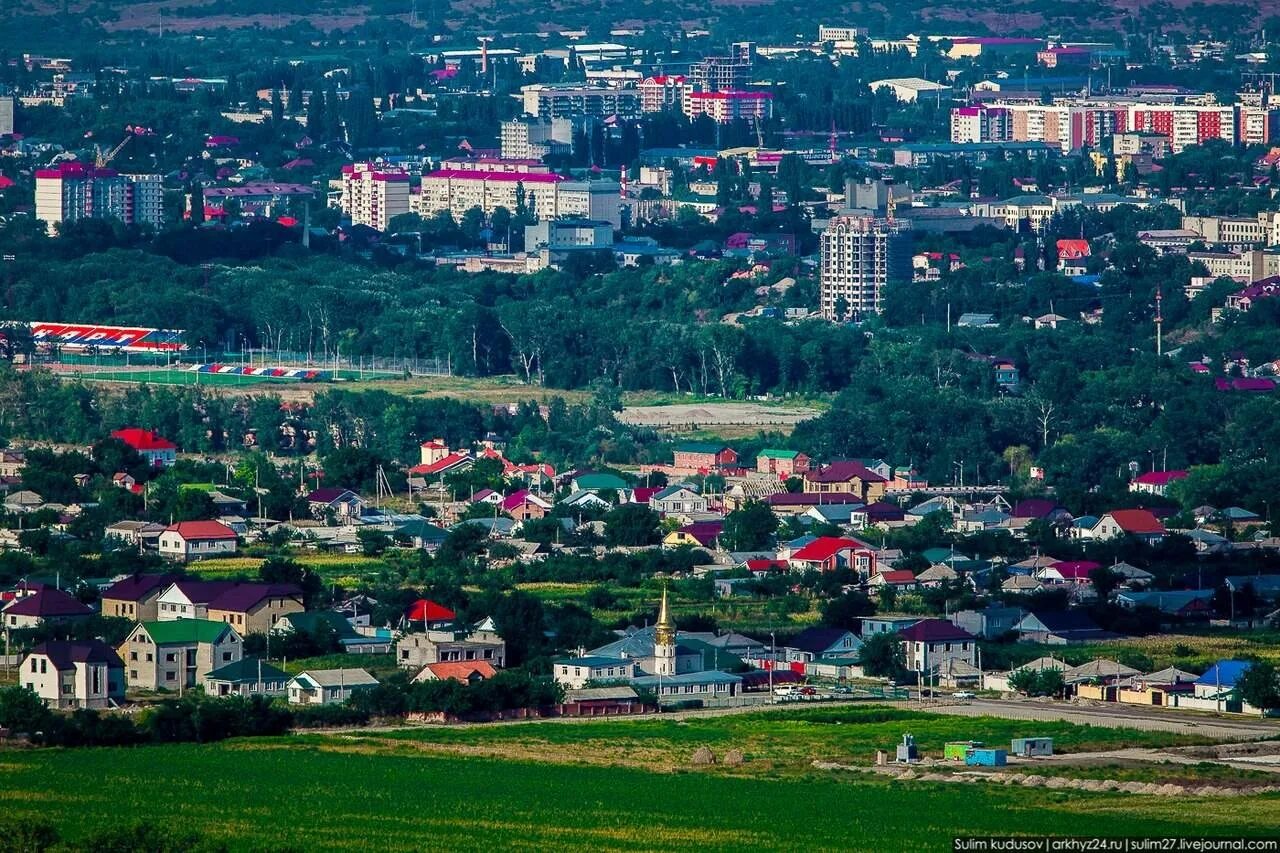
(1159, 325)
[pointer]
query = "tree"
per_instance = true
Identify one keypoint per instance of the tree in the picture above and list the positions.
(1259, 686)
(631, 525)
(750, 527)
(1033, 682)
(846, 611)
(882, 655)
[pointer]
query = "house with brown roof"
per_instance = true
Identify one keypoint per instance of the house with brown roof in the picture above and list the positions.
(74, 675)
(253, 608)
(46, 604)
(135, 597)
(848, 477)
(467, 672)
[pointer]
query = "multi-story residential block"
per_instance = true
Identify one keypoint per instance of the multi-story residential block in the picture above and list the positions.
(721, 73)
(981, 124)
(554, 101)
(374, 195)
(859, 256)
(6, 115)
(729, 105)
(546, 195)
(73, 190)
(527, 138)
(663, 92)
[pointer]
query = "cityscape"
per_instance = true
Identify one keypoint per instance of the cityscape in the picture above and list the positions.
(722, 426)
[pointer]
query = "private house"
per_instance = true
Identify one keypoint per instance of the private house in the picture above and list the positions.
(1183, 603)
(138, 534)
(595, 483)
(782, 463)
(135, 597)
(186, 598)
(23, 501)
(343, 505)
(467, 672)
(1006, 374)
(702, 686)
(428, 615)
(813, 644)
(74, 675)
(175, 655)
(1155, 482)
(159, 452)
(1060, 627)
(246, 677)
(703, 456)
(46, 604)
(931, 643)
(1138, 523)
(187, 541)
(700, 534)
(253, 608)
(989, 623)
(575, 673)
(840, 515)
(414, 651)
(848, 477)
(332, 622)
(937, 576)
(523, 505)
(796, 503)
(1071, 572)
(875, 514)
(896, 578)
(327, 686)
(679, 499)
(1020, 584)
(872, 625)
(1040, 509)
(828, 553)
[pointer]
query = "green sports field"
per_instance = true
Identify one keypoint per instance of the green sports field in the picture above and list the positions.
(163, 376)
(607, 786)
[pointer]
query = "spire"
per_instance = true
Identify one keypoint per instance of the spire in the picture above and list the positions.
(665, 633)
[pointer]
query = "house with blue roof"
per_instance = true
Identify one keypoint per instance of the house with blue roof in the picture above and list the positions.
(1216, 689)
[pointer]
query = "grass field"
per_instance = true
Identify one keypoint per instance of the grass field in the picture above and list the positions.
(333, 568)
(486, 787)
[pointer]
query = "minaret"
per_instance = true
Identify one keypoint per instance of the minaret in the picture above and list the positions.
(664, 641)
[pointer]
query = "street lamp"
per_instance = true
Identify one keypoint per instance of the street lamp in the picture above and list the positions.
(773, 662)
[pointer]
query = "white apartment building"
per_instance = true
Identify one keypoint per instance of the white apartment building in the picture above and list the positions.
(373, 196)
(663, 92)
(544, 194)
(726, 106)
(527, 138)
(859, 256)
(6, 115)
(73, 190)
(548, 101)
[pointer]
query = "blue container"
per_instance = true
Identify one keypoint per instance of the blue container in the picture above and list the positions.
(986, 758)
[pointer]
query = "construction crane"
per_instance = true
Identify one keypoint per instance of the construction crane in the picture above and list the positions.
(102, 160)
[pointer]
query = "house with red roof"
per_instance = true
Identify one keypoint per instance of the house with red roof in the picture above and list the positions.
(1155, 482)
(428, 614)
(895, 578)
(848, 477)
(700, 534)
(46, 604)
(1074, 572)
(1248, 384)
(197, 540)
(438, 460)
(158, 451)
(1072, 255)
(828, 553)
(1138, 523)
(465, 671)
(930, 644)
(1243, 300)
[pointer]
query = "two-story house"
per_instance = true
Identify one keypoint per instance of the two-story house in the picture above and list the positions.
(828, 553)
(414, 651)
(930, 643)
(846, 477)
(157, 450)
(703, 456)
(678, 499)
(783, 463)
(135, 597)
(197, 540)
(177, 654)
(253, 608)
(46, 604)
(74, 675)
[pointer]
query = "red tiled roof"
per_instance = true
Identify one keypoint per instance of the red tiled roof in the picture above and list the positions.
(461, 670)
(897, 576)
(143, 439)
(1136, 521)
(439, 465)
(824, 547)
(1075, 569)
(1159, 478)
(762, 564)
(201, 530)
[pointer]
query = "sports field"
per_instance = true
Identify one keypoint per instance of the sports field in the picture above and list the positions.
(176, 376)
(603, 785)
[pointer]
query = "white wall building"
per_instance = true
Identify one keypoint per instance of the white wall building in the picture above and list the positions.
(859, 256)
(372, 195)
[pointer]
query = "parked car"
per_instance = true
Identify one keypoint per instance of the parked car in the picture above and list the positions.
(962, 694)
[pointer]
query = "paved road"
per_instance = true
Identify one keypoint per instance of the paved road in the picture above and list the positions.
(1115, 716)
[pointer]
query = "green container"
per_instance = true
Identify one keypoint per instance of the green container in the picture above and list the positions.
(955, 750)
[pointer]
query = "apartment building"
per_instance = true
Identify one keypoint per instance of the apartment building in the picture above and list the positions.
(546, 195)
(663, 92)
(859, 256)
(73, 190)
(558, 101)
(728, 106)
(373, 195)
(528, 138)
(6, 115)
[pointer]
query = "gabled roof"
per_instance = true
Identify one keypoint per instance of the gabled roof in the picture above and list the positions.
(309, 620)
(896, 576)
(674, 489)
(1138, 521)
(1033, 508)
(588, 482)
(46, 604)
(330, 494)
(842, 471)
(335, 678)
(186, 631)
(1064, 620)
(462, 670)
(817, 640)
(201, 530)
(1075, 569)
(423, 609)
(247, 671)
(825, 547)
(138, 587)
(1224, 673)
(934, 631)
(65, 655)
(771, 453)
(245, 596)
(1159, 478)
(440, 465)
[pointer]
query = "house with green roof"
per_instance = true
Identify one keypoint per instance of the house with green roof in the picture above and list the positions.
(703, 456)
(598, 482)
(782, 463)
(177, 654)
(316, 622)
(246, 677)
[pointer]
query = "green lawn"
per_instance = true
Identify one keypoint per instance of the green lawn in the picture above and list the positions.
(313, 794)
